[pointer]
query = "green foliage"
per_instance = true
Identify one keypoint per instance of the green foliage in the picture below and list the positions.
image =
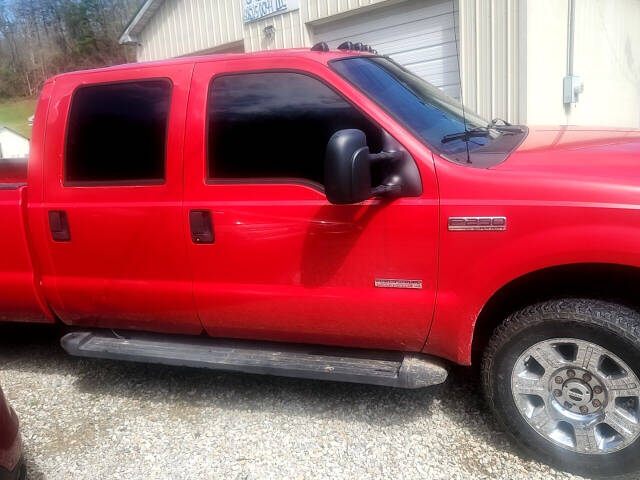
(15, 114)
(9, 82)
(40, 38)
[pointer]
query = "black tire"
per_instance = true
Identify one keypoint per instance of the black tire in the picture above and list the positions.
(609, 325)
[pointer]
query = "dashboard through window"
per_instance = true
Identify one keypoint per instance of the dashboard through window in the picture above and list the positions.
(275, 126)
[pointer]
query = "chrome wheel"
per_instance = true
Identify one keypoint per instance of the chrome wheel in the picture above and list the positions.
(577, 395)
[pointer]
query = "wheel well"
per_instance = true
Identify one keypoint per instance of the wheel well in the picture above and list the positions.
(610, 282)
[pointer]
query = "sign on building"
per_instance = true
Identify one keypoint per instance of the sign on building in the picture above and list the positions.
(253, 10)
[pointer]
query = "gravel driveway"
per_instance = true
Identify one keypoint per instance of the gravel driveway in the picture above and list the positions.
(94, 419)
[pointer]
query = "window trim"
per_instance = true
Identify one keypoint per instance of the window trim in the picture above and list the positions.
(209, 180)
(116, 183)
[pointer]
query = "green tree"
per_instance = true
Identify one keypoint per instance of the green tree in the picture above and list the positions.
(40, 38)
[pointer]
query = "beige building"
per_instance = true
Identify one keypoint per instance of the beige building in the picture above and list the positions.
(527, 61)
(12, 144)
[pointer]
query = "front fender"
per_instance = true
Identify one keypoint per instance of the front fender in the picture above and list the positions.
(540, 233)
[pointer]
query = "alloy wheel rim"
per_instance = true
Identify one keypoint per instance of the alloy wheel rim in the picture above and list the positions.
(577, 395)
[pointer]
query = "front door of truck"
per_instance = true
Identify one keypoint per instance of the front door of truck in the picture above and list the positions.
(271, 257)
(113, 200)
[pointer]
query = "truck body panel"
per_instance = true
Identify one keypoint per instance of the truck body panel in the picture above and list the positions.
(22, 298)
(287, 265)
(125, 266)
(19, 301)
(13, 173)
(569, 196)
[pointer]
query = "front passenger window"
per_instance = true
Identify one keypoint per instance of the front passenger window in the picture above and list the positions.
(275, 126)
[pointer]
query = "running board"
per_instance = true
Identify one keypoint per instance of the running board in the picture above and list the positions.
(395, 369)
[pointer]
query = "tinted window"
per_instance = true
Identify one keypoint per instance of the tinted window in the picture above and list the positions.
(276, 125)
(117, 132)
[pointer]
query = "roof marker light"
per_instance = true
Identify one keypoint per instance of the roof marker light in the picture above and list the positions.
(320, 47)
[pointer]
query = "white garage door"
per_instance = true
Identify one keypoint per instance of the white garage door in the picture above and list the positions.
(416, 34)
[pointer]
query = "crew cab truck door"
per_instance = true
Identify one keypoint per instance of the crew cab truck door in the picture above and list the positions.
(113, 200)
(272, 258)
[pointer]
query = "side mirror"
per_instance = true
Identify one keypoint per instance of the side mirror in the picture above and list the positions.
(347, 169)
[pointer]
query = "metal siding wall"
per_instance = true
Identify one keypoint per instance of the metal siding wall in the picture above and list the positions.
(291, 27)
(606, 52)
(290, 32)
(490, 47)
(319, 9)
(180, 27)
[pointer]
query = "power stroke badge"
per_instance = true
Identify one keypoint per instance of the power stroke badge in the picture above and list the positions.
(397, 283)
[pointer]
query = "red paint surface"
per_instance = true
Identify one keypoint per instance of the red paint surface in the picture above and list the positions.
(570, 196)
(286, 264)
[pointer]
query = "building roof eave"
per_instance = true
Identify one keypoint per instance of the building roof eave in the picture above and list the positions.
(3, 127)
(129, 35)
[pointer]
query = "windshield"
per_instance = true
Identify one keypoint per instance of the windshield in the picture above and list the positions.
(423, 108)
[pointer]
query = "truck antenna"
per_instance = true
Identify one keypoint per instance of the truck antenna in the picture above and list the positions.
(464, 116)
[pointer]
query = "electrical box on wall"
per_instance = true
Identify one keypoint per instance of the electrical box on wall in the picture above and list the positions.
(572, 87)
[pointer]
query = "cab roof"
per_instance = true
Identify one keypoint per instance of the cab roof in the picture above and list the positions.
(306, 53)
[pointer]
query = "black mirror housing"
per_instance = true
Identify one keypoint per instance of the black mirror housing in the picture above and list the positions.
(347, 168)
(350, 170)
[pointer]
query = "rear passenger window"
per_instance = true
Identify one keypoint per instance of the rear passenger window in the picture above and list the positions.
(276, 126)
(118, 132)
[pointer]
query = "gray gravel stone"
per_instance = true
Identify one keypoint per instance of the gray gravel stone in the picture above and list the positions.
(92, 419)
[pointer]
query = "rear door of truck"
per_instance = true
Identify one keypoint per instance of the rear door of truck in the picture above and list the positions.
(112, 199)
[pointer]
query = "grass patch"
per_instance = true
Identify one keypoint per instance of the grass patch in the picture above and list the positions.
(14, 114)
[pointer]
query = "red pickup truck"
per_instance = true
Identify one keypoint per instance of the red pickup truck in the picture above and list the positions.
(327, 214)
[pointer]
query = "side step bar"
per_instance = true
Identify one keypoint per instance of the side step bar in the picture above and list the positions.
(396, 369)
